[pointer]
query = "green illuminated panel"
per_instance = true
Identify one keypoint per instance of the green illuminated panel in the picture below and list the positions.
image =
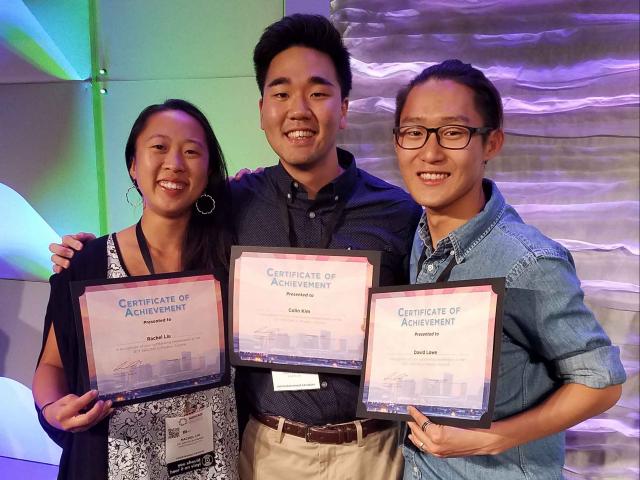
(182, 38)
(56, 48)
(67, 24)
(199, 50)
(48, 151)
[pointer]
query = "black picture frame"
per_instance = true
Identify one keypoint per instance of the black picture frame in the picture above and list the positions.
(394, 410)
(126, 397)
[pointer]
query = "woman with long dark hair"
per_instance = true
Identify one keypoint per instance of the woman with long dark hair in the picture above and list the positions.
(176, 164)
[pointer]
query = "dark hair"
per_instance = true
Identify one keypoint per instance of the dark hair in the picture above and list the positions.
(486, 96)
(311, 31)
(208, 239)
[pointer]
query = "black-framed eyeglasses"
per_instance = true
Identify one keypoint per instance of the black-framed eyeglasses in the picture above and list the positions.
(452, 137)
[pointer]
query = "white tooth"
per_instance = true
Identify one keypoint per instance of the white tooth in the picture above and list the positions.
(300, 134)
(171, 185)
(433, 176)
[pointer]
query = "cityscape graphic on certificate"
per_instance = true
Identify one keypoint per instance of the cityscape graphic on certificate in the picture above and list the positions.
(151, 337)
(432, 349)
(297, 309)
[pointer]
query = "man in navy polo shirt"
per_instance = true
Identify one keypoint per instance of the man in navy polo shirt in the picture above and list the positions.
(314, 197)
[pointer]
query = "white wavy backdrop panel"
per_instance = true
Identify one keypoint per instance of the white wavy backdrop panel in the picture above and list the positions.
(568, 72)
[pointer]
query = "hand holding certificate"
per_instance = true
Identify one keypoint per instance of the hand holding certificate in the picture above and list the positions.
(152, 336)
(433, 347)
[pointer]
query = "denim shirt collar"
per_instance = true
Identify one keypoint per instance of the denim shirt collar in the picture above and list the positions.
(464, 238)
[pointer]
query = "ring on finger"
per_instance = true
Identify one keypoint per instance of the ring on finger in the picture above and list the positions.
(425, 424)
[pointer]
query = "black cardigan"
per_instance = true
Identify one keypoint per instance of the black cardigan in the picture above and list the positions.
(84, 454)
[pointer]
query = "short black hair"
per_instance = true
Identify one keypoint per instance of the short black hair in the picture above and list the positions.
(311, 31)
(208, 240)
(486, 96)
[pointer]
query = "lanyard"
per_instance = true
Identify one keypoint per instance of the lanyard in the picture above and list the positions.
(444, 276)
(144, 248)
(334, 220)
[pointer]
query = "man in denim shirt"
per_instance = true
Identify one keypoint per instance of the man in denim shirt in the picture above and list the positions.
(558, 367)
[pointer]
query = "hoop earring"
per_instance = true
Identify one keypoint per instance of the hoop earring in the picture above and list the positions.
(126, 196)
(211, 209)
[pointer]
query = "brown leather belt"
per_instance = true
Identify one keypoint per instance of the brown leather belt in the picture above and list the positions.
(332, 434)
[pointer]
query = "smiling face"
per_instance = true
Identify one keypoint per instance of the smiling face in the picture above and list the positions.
(302, 110)
(171, 163)
(446, 182)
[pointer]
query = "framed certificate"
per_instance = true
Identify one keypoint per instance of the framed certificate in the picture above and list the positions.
(300, 310)
(435, 347)
(151, 336)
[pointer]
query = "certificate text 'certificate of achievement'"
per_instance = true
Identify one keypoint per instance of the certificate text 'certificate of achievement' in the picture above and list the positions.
(433, 347)
(300, 309)
(153, 336)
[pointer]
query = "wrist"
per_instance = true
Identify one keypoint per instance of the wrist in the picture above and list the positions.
(43, 407)
(503, 439)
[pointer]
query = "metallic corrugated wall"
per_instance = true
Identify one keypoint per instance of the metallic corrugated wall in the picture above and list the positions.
(568, 73)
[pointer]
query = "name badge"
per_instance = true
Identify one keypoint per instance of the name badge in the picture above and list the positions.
(189, 442)
(288, 381)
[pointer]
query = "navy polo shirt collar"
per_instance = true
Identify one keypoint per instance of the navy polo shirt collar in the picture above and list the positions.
(340, 187)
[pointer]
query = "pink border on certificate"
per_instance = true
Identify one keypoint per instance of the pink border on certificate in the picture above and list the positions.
(292, 256)
(238, 275)
(426, 293)
(86, 322)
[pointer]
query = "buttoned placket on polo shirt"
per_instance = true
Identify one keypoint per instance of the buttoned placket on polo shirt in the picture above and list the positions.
(325, 213)
(315, 212)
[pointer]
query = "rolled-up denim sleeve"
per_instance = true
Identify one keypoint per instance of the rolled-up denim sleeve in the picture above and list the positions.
(558, 326)
(597, 368)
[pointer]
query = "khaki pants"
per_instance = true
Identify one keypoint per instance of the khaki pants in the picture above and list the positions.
(269, 455)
